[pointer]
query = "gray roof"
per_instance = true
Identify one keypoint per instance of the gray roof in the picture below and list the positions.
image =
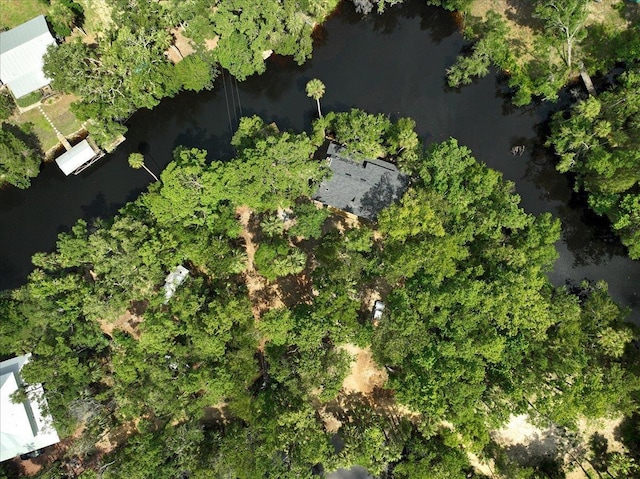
(363, 188)
(21, 52)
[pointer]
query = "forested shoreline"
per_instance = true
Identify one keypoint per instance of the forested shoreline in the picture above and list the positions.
(124, 65)
(240, 373)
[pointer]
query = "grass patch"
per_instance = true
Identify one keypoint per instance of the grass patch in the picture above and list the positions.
(16, 12)
(41, 128)
(97, 15)
(29, 99)
(58, 110)
(525, 28)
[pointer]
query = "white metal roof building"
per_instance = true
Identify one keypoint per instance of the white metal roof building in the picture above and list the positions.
(78, 156)
(21, 56)
(173, 280)
(24, 427)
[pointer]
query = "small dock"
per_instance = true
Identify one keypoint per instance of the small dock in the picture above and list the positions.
(587, 81)
(79, 158)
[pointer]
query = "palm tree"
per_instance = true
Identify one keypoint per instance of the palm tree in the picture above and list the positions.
(136, 161)
(315, 90)
(272, 226)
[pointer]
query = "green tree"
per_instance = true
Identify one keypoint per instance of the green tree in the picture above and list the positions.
(136, 161)
(361, 133)
(272, 225)
(195, 73)
(276, 326)
(598, 141)
(472, 331)
(309, 219)
(19, 159)
(315, 89)
(276, 259)
(64, 15)
(7, 106)
(432, 457)
(565, 19)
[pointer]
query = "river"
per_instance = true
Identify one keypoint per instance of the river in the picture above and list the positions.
(393, 64)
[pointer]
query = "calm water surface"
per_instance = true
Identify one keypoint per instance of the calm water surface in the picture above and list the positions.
(392, 64)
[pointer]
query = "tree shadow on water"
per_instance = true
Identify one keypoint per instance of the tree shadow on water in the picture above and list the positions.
(218, 146)
(588, 236)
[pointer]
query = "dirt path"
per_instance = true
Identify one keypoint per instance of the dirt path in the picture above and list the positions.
(528, 444)
(263, 295)
(364, 385)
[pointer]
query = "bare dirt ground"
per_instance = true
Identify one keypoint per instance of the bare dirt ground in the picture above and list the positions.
(263, 295)
(181, 46)
(216, 413)
(211, 43)
(363, 386)
(128, 322)
(365, 375)
(341, 220)
(113, 438)
(527, 443)
(31, 467)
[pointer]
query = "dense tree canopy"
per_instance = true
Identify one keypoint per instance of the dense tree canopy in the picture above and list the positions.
(599, 140)
(239, 371)
(127, 68)
(20, 155)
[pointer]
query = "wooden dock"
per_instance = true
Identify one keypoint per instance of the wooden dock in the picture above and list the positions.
(587, 82)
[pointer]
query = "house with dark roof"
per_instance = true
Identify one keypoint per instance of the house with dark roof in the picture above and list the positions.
(21, 56)
(362, 188)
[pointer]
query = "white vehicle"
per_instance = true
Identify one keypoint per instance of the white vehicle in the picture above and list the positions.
(378, 309)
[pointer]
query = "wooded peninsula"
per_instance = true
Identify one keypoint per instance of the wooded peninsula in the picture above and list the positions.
(346, 296)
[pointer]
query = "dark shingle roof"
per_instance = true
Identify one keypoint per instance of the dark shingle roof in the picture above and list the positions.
(363, 188)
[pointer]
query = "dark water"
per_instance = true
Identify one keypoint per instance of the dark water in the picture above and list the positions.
(393, 64)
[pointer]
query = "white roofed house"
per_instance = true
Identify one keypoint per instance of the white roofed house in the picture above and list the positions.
(21, 56)
(25, 426)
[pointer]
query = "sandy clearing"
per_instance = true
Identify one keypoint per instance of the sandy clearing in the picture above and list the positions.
(529, 443)
(128, 322)
(365, 375)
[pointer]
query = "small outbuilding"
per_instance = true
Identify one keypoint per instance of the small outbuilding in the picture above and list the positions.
(173, 280)
(25, 426)
(363, 188)
(78, 158)
(21, 56)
